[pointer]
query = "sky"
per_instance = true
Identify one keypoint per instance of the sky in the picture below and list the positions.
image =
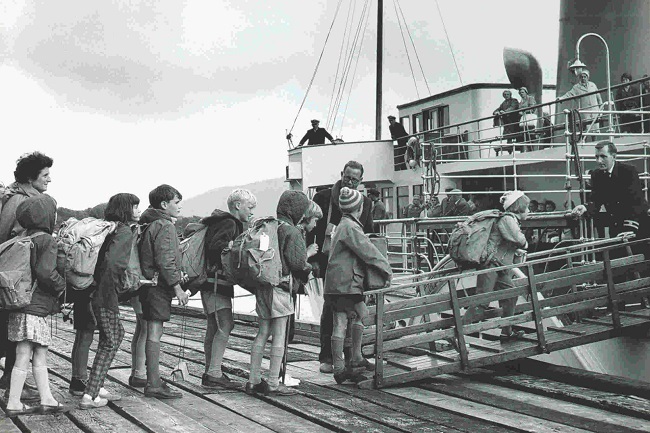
(126, 95)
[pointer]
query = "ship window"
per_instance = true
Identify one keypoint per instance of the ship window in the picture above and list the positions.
(417, 190)
(402, 200)
(406, 123)
(387, 198)
(417, 123)
(435, 118)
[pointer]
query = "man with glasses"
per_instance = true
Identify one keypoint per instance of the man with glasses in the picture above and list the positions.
(328, 200)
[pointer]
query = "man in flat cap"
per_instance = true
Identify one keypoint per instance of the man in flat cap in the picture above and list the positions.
(316, 135)
(397, 132)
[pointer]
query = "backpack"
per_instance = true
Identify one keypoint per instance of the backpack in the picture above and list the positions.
(253, 260)
(468, 242)
(79, 242)
(133, 277)
(193, 262)
(16, 284)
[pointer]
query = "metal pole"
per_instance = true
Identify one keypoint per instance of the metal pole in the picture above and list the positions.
(380, 55)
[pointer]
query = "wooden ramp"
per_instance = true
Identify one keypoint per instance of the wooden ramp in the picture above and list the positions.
(589, 291)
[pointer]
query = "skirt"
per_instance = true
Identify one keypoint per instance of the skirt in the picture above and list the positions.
(27, 327)
(274, 303)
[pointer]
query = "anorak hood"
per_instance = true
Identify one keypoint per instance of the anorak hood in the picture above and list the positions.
(219, 215)
(150, 215)
(19, 189)
(38, 212)
(292, 206)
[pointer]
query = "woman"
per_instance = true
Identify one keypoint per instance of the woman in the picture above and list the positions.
(627, 99)
(110, 275)
(528, 118)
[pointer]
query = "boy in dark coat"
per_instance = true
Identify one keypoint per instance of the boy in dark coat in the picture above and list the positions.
(217, 293)
(160, 254)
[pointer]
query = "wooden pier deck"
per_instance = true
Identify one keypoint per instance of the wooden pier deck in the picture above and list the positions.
(476, 401)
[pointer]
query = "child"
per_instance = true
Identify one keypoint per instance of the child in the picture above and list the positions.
(223, 227)
(110, 274)
(84, 326)
(274, 306)
(351, 255)
(503, 244)
(160, 253)
(28, 327)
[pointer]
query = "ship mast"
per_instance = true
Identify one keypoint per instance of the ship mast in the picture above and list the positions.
(380, 52)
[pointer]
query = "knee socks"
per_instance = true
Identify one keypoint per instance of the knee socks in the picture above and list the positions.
(357, 335)
(16, 386)
(257, 353)
(337, 354)
(152, 350)
(216, 356)
(42, 383)
(277, 353)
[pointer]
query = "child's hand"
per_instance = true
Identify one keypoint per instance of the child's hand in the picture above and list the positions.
(312, 250)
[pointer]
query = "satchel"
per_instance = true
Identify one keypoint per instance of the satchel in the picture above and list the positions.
(528, 120)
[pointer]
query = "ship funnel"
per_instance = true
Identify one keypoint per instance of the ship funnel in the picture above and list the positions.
(523, 70)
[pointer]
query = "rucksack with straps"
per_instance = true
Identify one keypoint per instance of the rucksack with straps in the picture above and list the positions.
(16, 282)
(253, 260)
(468, 242)
(79, 242)
(133, 277)
(193, 261)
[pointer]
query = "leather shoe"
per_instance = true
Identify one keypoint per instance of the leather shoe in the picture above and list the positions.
(260, 388)
(162, 392)
(218, 382)
(137, 382)
(326, 367)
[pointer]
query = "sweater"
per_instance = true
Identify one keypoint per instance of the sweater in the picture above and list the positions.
(291, 242)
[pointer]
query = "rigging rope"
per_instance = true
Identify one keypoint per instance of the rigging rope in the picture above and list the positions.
(417, 92)
(316, 69)
(444, 27)
(408, 32)
(338, 67)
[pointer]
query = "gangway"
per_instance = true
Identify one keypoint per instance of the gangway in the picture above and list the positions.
(599, 276)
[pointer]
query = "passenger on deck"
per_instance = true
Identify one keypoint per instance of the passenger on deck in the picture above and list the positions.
(378, 207)
(504, 244)
(627, 98)
(217, 294)
(528, 122)
(452, 205)
(414, 210)
(398, 133)
(546, 130)
(504, 116)
(316, 135)
(590, 102)
(549, 206)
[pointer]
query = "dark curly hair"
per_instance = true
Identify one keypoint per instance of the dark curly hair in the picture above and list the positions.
(120, 207)
(29, 166)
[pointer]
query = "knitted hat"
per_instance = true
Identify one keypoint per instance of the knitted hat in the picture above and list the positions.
(509, 198)
(350, 200)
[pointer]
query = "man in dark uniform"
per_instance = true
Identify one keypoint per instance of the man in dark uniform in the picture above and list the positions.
(617, 186)
(328, 200)
(397, 132)
(316, 135)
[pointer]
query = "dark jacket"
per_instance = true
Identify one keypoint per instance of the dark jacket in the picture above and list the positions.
(323, 199)
(222, 228)
(352, 254)
(397, 132)
(110, 271)
(622, 194)
(316, 137)
(160, 249)
(16, 194)
(291, 207)
(38, 214)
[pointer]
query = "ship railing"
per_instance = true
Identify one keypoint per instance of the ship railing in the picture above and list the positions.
(480, 138)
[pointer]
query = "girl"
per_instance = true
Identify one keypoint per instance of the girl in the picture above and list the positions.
(503, 244)
(274, 306)
(27, 327)
(110, 274)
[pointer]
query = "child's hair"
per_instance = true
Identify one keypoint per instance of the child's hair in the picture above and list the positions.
(241, 195)
(30, 165)
(163, 193)
(120, 207)
(313, 211)
(515, 201)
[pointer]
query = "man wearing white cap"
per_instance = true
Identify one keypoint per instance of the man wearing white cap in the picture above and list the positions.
(316, 135)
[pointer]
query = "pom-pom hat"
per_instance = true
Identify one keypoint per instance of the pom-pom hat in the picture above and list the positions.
(350, 200)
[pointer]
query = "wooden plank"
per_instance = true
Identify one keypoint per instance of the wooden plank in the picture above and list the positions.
(540, 407)
(483, 412)
(379, 340)
(613, 296)
(537, 316)
(8, 426)
(480, 344)
(565, 330)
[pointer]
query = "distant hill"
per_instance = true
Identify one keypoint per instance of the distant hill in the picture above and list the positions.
(267, 192)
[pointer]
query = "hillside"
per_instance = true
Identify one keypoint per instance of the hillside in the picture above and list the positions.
(267, 192)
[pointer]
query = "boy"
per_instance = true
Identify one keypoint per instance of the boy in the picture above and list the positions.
(351, 257)
(217, 293)
(160, 254)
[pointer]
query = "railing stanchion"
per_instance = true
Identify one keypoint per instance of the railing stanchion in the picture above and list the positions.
(458, 324)
(613, 296)
(537, 312)
(379, 340)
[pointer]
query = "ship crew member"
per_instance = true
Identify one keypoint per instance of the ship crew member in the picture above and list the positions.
(398, 133)
(616, 186)
(316, 135)
(328, 200)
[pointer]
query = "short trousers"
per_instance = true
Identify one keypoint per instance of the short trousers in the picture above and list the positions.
(157, 303)
(347, 303)
(136, 305)
(83, 317)
(273, 303)
(27, 327)
(213, 302)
